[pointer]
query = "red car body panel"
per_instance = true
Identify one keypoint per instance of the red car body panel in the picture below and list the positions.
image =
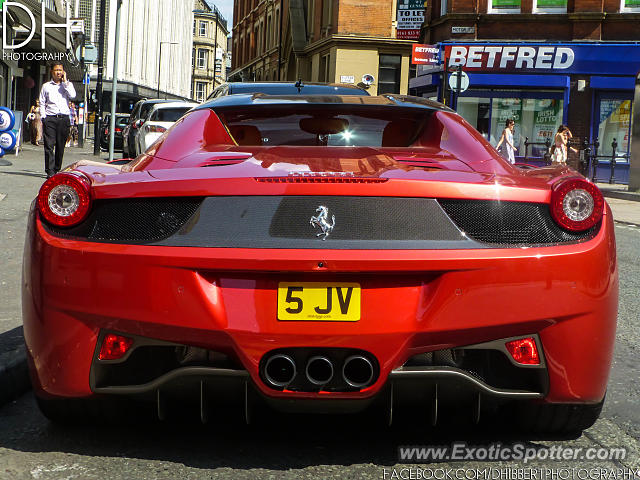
(225, 299)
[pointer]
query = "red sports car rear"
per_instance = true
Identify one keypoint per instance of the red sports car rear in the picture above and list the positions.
(322, 254)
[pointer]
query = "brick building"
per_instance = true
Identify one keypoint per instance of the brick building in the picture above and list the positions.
(322, 41)
(543, 63)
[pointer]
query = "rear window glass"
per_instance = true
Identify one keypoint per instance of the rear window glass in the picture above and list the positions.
(341, 126)
(122, 121)
(169, 114)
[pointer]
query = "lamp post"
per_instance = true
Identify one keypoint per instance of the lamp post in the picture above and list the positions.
(160, 62)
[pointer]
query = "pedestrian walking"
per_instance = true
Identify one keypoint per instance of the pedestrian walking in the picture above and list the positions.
(508, 150)
(35, 124)
(54, 100)
(73, 130)
(559, 151)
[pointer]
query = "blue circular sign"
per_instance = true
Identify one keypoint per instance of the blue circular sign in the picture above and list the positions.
(7, 141)
(7, 119)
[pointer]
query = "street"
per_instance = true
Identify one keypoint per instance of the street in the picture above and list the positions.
(280, 446)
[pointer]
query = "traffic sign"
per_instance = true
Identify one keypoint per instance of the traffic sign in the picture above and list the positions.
(90, 53)
(464, 81)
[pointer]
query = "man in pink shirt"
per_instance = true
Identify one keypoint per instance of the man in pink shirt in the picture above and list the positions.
(54, 106)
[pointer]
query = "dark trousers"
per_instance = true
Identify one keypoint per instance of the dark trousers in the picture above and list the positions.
(55, 131)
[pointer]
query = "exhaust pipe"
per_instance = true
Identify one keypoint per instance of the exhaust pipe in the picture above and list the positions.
(319, 370)
(357, 371)
(280, 370)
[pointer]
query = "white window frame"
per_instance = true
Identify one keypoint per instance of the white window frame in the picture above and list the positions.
(490, 8)
(202, 27)
(200, 96)
(202, 65)
(537, 9)
(624, 9)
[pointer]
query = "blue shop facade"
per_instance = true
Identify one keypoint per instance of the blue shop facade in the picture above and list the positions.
(587, 86)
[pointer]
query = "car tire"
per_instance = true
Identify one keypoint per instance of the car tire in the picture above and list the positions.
(558, 418)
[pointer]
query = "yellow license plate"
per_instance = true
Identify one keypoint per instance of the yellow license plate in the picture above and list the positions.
(337, 302)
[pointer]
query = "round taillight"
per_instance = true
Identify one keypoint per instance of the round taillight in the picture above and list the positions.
(64, 200)
(576, 204)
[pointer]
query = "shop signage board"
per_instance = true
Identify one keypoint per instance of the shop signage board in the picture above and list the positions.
(424, 54)
(544, 58)
(410, 16)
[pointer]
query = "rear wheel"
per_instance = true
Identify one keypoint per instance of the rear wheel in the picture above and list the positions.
(558, 418)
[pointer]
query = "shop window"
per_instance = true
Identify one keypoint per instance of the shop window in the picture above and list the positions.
(535, 118)
(202, 58)
(630, 6)
(443, 8)
(504, 6)
(549, 6)
(614, 122)
(475, 110)
(389, 67)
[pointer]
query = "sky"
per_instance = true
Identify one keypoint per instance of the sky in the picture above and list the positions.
(226, 8)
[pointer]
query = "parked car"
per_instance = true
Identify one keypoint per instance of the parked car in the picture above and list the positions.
(322, 254)
(140, 110)
(286, 88)
(159, 119)
(122, 119)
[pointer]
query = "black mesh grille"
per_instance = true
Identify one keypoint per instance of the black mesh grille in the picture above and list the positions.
(510, 223)
(138, 220)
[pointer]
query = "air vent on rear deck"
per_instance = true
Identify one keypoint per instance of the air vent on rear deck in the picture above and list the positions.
(319, 179)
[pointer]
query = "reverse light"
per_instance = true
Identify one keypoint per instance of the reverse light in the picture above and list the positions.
(524, 351)
(114, 347)
(576, 204)
(65, 199)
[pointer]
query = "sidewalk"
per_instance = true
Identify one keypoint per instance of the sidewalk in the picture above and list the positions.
(20, 178)
(624, 204)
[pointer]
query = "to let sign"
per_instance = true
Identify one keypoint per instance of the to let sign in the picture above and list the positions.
(425, 54)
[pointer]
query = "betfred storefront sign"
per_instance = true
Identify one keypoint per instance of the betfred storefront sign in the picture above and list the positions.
(424, 54)
(509, 58)
(561, 59)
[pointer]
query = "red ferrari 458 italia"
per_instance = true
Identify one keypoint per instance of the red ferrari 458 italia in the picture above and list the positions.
(322, 253)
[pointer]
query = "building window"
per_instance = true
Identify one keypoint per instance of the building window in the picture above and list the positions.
(200, 91)
(194, 28)
(193, 58)
(504, 6)
(202, 58)
(389, 74)
(203, 29)
(443, 8)
(323, 72)
(268, 32)
(630, 6)
(550, 6)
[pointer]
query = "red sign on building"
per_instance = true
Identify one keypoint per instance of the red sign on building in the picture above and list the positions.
(424, 54)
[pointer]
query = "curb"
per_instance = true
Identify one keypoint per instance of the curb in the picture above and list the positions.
(634, 197)
(14, 376)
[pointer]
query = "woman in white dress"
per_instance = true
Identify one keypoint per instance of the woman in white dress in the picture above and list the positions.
(559, 152)
(508, 150)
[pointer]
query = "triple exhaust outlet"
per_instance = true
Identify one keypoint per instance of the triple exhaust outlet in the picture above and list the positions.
(280, 371)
